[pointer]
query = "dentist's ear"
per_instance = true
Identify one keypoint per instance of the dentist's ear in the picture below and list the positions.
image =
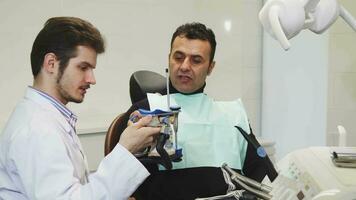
(49, 62)
(211, 67)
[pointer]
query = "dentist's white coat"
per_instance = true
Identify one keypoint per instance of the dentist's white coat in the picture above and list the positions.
(40, 159)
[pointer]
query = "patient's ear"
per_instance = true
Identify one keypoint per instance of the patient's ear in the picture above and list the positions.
(50, 63)
(211, 67)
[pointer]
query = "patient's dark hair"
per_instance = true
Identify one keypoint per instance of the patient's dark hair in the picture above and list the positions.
(61, 36)
(198, 31)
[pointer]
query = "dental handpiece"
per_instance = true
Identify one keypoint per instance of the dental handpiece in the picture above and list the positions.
(261, 189)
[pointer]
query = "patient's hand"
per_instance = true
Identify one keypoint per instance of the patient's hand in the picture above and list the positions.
(137, 136)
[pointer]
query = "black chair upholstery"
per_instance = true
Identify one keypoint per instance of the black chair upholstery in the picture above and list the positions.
(143, 82)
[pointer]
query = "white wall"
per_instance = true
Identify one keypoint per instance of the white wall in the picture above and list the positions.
(137, 34)
(310, 89)
(342, 79)
(294, 92)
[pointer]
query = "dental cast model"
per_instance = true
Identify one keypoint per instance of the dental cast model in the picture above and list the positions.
(283, 19)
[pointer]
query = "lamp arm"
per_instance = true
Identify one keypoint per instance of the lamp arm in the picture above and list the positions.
(349, 19)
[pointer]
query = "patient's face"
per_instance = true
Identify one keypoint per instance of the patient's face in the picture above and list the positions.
(189, 64)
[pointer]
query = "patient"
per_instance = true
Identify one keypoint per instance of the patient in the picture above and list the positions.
(206, 127)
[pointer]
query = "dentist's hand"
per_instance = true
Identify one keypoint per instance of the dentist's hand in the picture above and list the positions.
(134, 117)
(137, 136)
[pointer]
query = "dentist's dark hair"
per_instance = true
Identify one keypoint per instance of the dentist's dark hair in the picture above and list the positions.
(196, 30)
(61, 36)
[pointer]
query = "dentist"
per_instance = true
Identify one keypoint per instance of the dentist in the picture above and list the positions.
(40, 153)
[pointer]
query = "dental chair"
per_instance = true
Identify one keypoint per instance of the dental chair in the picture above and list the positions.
(141, 83)
(112, 138)
(189, 183)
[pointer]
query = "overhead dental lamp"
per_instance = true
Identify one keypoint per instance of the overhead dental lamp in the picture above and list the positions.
(284, 19)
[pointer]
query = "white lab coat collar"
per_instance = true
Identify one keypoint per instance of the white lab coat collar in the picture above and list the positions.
(73, 146)
(32, 95)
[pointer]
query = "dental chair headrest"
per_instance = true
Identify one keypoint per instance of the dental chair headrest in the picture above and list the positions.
(143, 82)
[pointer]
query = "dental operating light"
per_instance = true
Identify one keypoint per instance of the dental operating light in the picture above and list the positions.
(284, 19)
